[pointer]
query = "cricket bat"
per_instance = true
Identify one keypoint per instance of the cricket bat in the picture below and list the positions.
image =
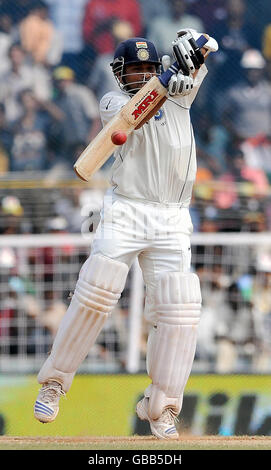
(128, 118)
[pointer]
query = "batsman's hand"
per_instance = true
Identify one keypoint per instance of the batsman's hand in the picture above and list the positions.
(179, 84)
(189, 56)
(187, 52)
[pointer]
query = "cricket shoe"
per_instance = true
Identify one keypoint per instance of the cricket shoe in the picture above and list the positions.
(163, 427)
(46, 406)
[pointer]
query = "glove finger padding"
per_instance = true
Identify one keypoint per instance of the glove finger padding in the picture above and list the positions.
(187, 85)
(187, 52)
(180, 85)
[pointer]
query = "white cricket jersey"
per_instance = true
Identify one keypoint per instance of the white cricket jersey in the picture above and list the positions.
(157, 163)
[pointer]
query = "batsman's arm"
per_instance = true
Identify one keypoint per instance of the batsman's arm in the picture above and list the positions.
(166, 76)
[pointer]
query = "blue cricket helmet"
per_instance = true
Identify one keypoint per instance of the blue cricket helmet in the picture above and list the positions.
(135, 50)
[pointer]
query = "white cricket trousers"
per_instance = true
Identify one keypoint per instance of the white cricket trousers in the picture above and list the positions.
(158, 234)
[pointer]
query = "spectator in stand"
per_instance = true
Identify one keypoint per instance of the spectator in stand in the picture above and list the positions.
(11, 220)
(17, 9)
(266, 49)
(244, 189)
(48, 313)
(234, 35)
(209, 11)
(8, 35)
(39, 37)
(241, 172)
(262, 304)
(259, 15)
(48, 309)
(236, 334)
(214, 282)
(8, 303)
(152, 9)
(246, 113)
(6, 139)
(81, 119)
(29, 150)
(20, 76)
(67, 17)
(14, 81)
(101, 79)
(162, 30)
(211, 140)
(99, 17)
(247, 109)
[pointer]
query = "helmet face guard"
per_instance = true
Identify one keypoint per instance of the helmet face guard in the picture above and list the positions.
(134, 51)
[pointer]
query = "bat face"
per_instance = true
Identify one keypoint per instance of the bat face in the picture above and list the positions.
(129, 117)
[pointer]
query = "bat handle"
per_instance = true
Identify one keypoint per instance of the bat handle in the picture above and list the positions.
(175, 67)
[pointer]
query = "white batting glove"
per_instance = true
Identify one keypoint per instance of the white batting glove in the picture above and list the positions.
(211, 45)
(187, 51)
(180, 84)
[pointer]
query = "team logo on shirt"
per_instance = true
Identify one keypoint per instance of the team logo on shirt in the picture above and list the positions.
(158, 116)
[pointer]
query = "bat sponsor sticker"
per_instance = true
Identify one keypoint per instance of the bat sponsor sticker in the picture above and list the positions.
(144, 105)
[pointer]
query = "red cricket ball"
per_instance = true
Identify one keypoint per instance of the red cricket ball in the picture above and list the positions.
(118, 137)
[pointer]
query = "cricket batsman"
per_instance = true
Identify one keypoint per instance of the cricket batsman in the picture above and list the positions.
(145, 215)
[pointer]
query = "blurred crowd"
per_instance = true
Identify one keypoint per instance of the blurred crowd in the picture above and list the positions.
(235, 328)
(54, 68)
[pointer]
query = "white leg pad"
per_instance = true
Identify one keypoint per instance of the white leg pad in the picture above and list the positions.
(172, 342)
(98, 289)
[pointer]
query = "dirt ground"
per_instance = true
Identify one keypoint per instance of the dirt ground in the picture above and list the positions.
(136, 443)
